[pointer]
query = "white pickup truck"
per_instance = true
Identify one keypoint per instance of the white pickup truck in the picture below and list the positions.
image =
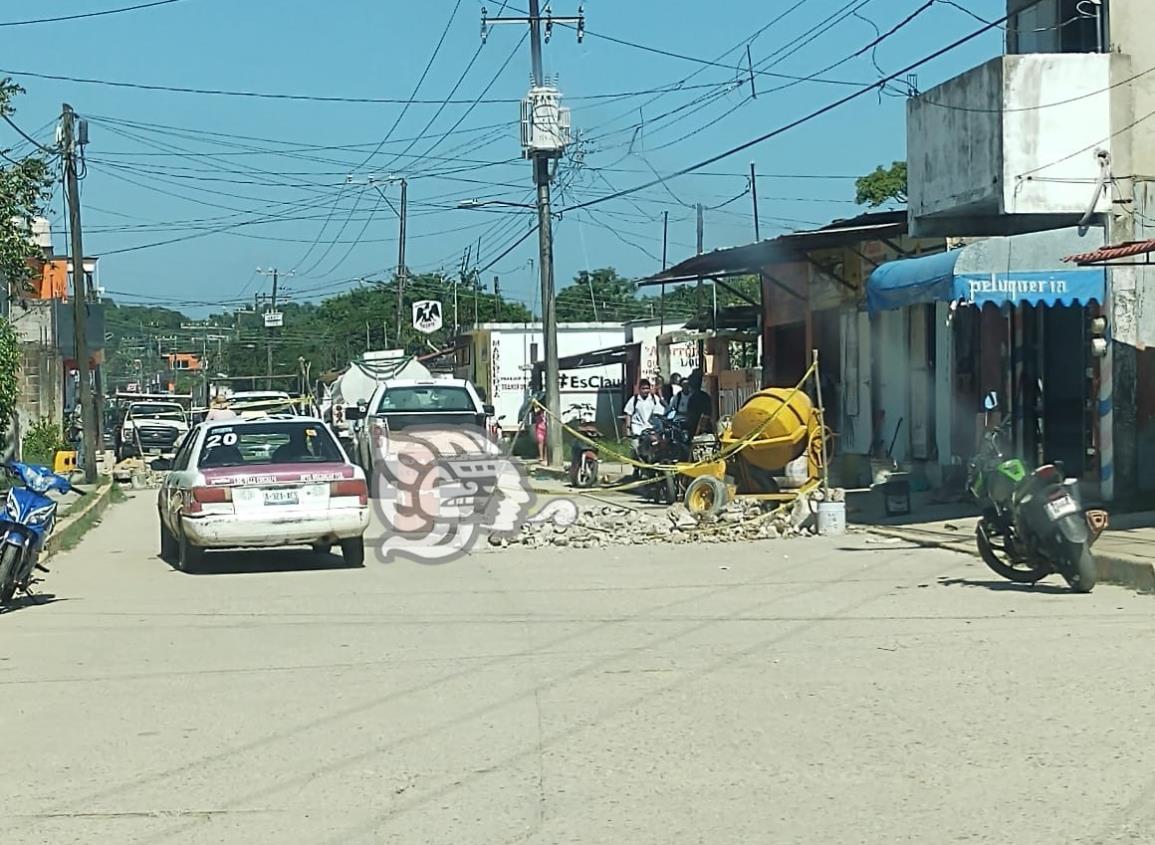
(152, 428)
(398, 404)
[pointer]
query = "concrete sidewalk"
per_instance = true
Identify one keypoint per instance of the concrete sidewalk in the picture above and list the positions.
(1125, 553)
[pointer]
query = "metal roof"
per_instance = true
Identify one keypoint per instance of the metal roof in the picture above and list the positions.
(752, 258)
(1110, 254)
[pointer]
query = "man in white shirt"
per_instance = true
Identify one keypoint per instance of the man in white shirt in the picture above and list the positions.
(641, 406)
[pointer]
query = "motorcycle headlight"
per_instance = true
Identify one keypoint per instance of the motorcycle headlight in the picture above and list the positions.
(41, 515)
(11, 509)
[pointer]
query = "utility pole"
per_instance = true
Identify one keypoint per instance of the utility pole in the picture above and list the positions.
(497, 299)
(665, 242)
(271, 322)
(270, 345)
(698, 297)
(402, 216)
(401, 270)
(545, 134)
(74, 135)
(754, 194)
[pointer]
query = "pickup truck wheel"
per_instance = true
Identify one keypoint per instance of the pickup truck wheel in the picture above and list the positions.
(353, 551)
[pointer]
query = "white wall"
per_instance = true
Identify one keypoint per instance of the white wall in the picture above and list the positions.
(683, 357)
(1049, 152)
(1014, 136)
(894, 380)
(953, 153)
(510, 353)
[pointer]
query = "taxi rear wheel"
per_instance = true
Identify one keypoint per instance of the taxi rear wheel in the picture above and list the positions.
(169, 548)
(190, 557)
(353, 551)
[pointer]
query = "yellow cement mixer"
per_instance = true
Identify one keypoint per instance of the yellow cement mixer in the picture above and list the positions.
(775, 427)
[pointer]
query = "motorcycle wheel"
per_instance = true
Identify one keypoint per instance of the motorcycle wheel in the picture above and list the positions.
(1027, 575)
(9, 564)
(1081, 566)
(586, 475)
(668, 490)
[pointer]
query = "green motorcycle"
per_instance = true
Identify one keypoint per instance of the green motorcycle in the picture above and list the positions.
(1033, 522)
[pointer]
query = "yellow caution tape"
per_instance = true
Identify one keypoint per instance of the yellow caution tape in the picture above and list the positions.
(725, 454)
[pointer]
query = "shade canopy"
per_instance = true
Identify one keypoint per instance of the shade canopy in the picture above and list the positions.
(1019, 270)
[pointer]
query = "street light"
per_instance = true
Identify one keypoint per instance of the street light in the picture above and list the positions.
(475, 203)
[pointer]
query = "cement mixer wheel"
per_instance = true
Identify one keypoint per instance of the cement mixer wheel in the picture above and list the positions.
(706, 495)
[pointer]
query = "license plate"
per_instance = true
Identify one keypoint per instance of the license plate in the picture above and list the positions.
(281, 497)
(1061, 507)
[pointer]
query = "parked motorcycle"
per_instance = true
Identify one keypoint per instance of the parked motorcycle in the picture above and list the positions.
(1033, 522)
(28, 520)
(665, 442)
(584, 460)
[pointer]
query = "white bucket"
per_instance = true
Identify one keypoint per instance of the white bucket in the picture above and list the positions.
(832, 519)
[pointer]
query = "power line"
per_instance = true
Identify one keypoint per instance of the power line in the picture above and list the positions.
(28, 137)
(800, 121)
(318, 98)
(493, 81)
(417, 87)
(83, 15)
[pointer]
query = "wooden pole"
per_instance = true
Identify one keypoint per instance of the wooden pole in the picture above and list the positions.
(821, 428)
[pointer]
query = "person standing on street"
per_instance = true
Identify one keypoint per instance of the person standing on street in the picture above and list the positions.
(692, 405)
(639, 409)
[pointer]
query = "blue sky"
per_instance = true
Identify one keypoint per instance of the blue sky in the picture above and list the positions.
(156, 175)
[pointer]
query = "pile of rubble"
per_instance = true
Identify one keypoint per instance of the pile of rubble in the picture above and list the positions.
(743, 520)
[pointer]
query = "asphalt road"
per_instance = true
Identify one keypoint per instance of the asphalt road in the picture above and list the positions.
(805, 691)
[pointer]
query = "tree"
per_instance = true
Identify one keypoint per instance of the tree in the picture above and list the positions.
(884, 186)
(602, 295)
(23, 194)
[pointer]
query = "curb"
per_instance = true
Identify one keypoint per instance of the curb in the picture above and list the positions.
(1120, 570)
(99, 501)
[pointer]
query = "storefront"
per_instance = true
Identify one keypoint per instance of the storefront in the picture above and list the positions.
(1010, 320)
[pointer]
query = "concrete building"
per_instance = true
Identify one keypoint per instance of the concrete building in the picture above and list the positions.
(1058, 135)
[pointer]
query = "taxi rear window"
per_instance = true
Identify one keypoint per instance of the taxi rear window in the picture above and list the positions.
(268, 444)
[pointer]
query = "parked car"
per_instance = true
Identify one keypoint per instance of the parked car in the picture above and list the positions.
(260, 483)
(151, 428)
(405, 403)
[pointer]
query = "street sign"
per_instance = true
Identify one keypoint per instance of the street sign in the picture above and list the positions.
(427, 316)
(274, 319)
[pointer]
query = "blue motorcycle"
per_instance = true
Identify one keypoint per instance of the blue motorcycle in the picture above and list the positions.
(27, 522)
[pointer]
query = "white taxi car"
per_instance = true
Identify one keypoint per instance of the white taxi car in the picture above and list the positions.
(276, 481)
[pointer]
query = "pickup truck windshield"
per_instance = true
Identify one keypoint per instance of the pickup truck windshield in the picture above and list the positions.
(426, 399)
(147, 411)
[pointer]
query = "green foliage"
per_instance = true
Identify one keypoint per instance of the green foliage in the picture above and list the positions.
(886, 185)
(41, 442)
(342, 327)
(331, 333)
(9, 374)
(23, 194)
(602, 296)
(683, 301)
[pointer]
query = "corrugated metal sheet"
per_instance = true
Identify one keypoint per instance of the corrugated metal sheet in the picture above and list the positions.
(1113, 253)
